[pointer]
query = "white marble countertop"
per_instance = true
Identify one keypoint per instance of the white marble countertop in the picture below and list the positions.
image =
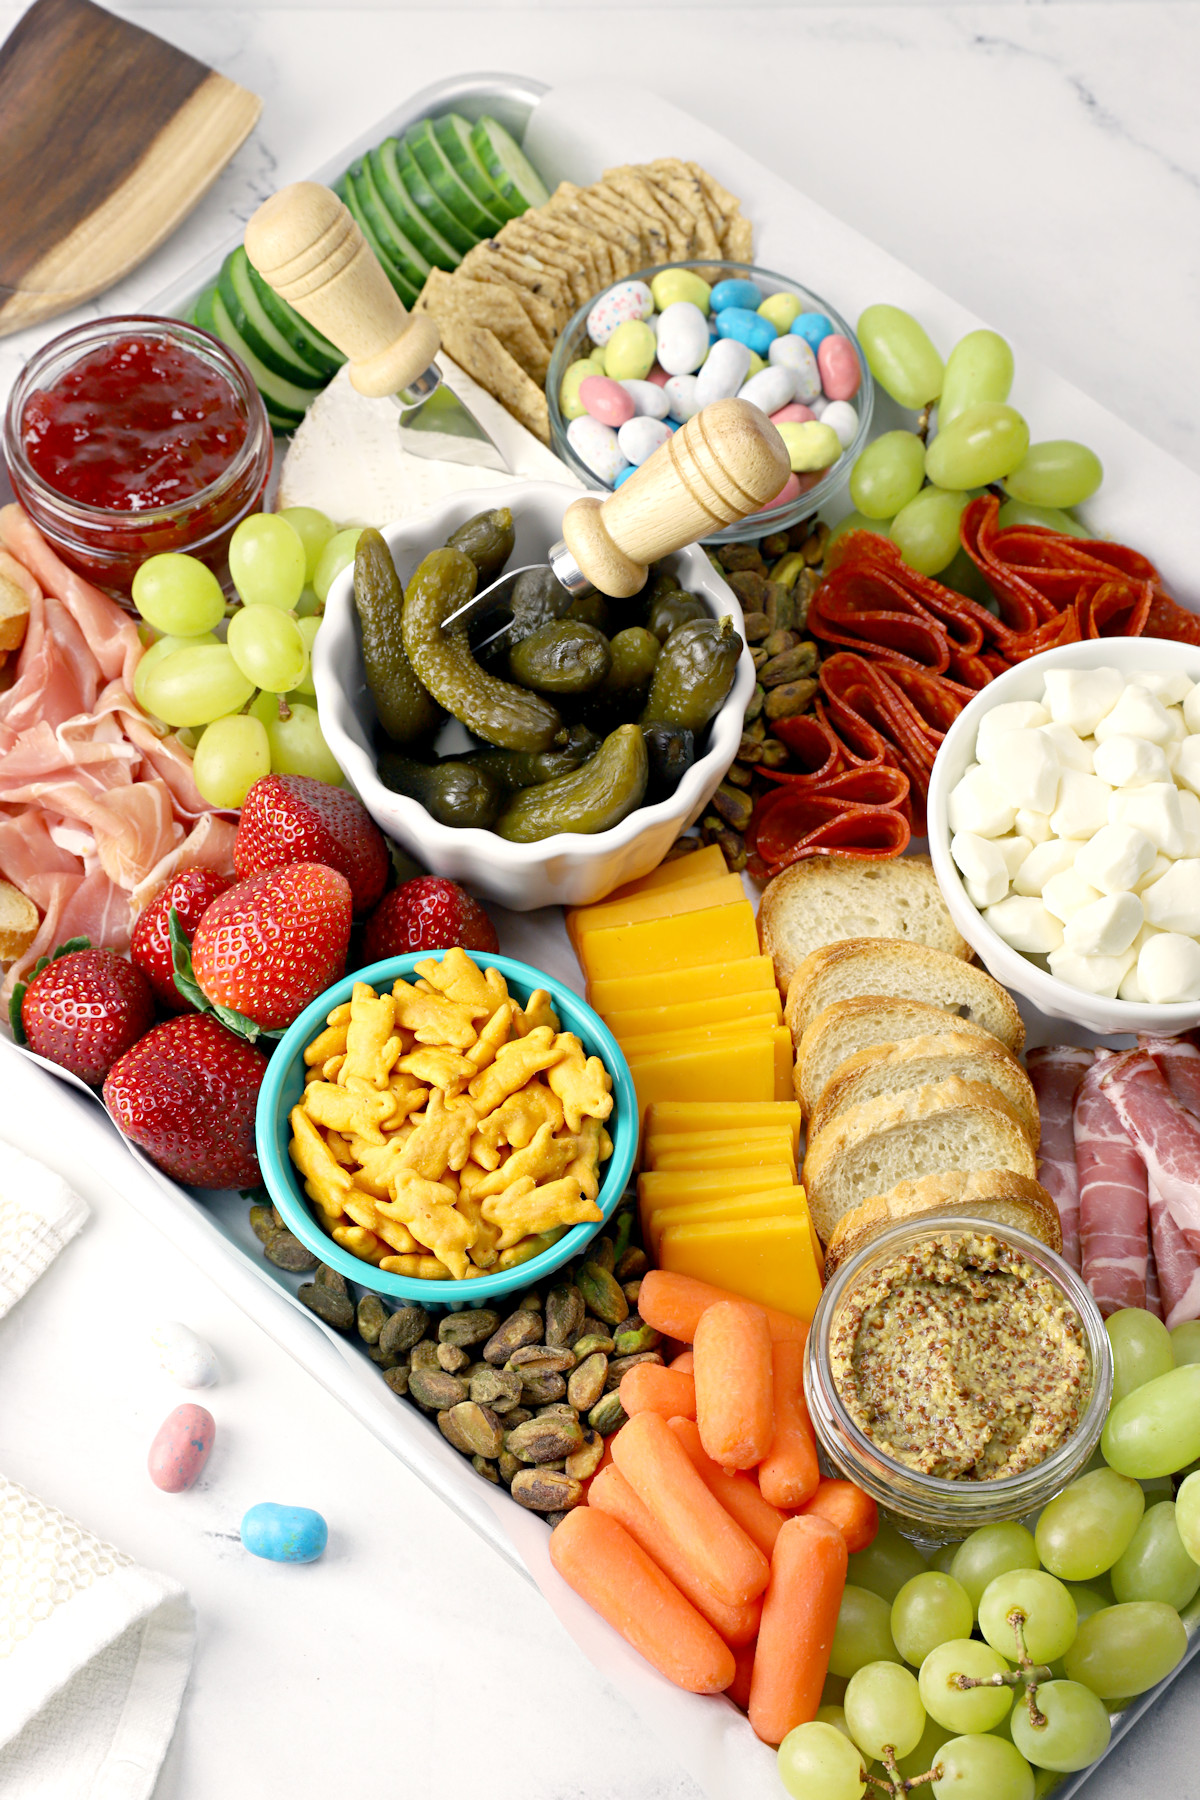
(1040, 163)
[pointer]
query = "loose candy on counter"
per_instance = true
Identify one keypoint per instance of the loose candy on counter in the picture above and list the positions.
(813, 327)
(596, 447)
(781, 310)
(650, 399)
(838, 366)
(683, 400)
(279, 1533)
(841, 417)
(630, 351)
(796, 356)
(726, 368)
(683, 340)
(627, 301)
(183, 1355)
(606, 400)
(770, 389)
(747, 327)
(640, 438)
(737, 293)
(670, 285)
(181, 1447)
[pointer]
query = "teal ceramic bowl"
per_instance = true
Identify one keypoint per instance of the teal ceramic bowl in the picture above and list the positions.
(284, 1084)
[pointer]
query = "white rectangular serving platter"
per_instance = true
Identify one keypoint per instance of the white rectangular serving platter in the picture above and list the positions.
(1144, 487)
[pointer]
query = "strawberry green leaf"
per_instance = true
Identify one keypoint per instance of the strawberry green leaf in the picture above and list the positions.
(189, 987)
(14, 1012)
(19, 991)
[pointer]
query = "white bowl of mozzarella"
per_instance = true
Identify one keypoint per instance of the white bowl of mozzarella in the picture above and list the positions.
(1064, 827)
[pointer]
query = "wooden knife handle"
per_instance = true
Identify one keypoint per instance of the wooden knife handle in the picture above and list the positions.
(304, 242)
(721, 466)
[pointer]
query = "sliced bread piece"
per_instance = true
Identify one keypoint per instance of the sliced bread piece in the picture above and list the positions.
(900, 1137)
(18, 922)
(849, 1026)
(921, 1061)
(913, 972)
(996, 1194)
(827, 898)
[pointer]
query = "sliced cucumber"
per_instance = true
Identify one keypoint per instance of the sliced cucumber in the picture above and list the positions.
(250, 319)
(507, 165)
(346, 189)
(283, 424)
(423, 196)
(412, 222)
(453, 133)
(305, 338)
(450, 189)
(284, 399)
(403, 253)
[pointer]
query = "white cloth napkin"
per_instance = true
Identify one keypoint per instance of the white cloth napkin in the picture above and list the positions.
(94, 1651)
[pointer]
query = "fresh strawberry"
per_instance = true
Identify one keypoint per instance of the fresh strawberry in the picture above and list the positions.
(269, 945)
(84, 1009)
(186, 1095)
(428, 914)
(189, 893)
(293, 818)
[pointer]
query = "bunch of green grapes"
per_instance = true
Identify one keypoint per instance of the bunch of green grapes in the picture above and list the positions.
(249, 695)
(914, 491)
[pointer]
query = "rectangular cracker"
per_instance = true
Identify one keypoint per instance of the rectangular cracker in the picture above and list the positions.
(726, 204)
(629, 183)
(738, 242)
(579, 204)
(527, 241)
(592, 250)
(456, 297)
(628, 227)
(670, 174)
(677, 214)
(490, 262)
(652, 232)
(480, 352)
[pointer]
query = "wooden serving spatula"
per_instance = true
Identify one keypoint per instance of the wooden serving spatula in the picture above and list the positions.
(108, 137)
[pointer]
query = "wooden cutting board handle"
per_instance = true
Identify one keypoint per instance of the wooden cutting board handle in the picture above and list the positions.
(721, 466)
(306, 244)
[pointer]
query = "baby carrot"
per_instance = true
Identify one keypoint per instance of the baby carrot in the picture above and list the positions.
(685, 1362)
(672, 1304)
(734, 1407)
(598, 1558)
(657, 1468)
(736, 1492)
(800, 1611)
(854, 1513)
(648, 1388)
(789, 1472)
(739, 1688)
(612, 1494)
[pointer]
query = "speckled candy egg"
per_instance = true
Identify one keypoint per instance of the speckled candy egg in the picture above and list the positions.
(606, 400)
(629, 352)
(793, 414)
(570, 405)
(184, 1355)
(727, 367)
(640, 438)
(749, 328)
(682, 397)
(670, 285)
(596, 447)
(838, 363)
(180, 1448)
(682, 338)
(649, 399)
(284, 1533)
(841, 417)
(795, 354)
(628, 300)
(735, 291)
(770, 389)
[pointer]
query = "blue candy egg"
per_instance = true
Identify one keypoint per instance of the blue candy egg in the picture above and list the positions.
(812, 327)
(622, 475)
(284, 1533)
(749, 328)
(735, 292)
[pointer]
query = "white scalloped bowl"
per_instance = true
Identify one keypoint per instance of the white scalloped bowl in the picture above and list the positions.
(569, 869)
(1058, 999)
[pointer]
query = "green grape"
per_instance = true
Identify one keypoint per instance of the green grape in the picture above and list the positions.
(1017, 512)
(817, 1763)
(1126, 1649)
(855, 521)
(966, 577)
(1141, 1347)
(1185, 1342)
(1086, 1527)
(157, 653)
(863, 1633)
(888, 1561)
(1156, 1566)
(314, 529)
(834, 1691)
(195, 685)
(992, 1550)
(942, 1558)
(900, 356)
(888, 474)
(297, 742)
(178, 594)
(982, 445)
(231, 756)
(267, 561)
(964, 1709)
(1087, 1600)
(1076, 1730)
(268, 647)
(1057, 473)
(337, 555)
(1187, 1515)
(1156, 1429)
(980, 367)
(922, 1759)
(982, 1768)
(835, 1716)
(308, 603)
(929, 1610)
(309, 627)
(927, 531)
(1049, 1618)
(883, 1709)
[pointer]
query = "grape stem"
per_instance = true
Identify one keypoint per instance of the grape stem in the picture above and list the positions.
(895, 1785)
(923, 421)
(1026, 1675)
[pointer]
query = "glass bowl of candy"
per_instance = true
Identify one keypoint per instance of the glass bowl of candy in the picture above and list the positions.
(640, 359)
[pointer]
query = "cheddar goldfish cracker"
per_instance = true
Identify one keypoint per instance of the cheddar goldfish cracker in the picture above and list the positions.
(372, 1043)
(342, 1109)
(516, 1063)
(581, 1083)
(545, 1158)
(433, 1018)
(524, 1210)
(441, 1068)
(518, 1118)
(360, 1242)
(494, 1034)
(441, 1140)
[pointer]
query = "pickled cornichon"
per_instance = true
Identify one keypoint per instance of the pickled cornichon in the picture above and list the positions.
(453, 793)
(537, 597)
(529, 768)
(671, 609)
(494, 710)
(406, 710)
(488, 539)
(563, 657)
(634, 655)
(671, 750)
(610, 785)
(694, 673)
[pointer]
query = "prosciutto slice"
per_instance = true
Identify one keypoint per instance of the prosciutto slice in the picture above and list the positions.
(1153, 1292)
(1113, 1201)
(1167, 1135)
(1056, 1071)
(1179, 1061)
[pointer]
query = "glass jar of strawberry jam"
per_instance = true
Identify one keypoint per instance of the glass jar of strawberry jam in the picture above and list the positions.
(129, 436)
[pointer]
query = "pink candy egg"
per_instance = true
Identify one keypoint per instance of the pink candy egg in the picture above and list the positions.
(606, 400)
(658, 376)
(840, 374)
(792, 414)
(789, 491)
(180, 1448)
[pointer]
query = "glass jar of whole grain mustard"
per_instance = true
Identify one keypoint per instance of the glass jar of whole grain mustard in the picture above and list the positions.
(959, 1372)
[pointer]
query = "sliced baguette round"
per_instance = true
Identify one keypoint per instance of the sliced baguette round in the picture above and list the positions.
(898, 1137)
(891, 966)
(850, 1026)
(826, 898)
(997, 1194)
(922, 1061)
(18, 922)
